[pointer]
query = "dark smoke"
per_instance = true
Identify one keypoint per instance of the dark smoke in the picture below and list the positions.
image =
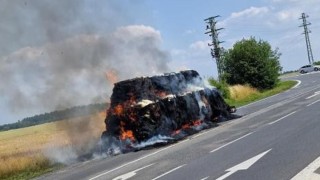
(55, 54)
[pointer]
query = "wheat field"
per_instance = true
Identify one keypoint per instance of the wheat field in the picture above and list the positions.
(26, 150)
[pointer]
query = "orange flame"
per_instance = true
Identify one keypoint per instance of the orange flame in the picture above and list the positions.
(126, 134)
(197, 122)
(159, 93)
(187, 126)
(118, 110)
(176, 132)
(111, 76)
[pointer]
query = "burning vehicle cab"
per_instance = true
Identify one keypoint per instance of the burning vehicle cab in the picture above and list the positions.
(161, 109)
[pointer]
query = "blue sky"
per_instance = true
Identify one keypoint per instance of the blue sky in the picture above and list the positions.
(276, 21)
(55, 54)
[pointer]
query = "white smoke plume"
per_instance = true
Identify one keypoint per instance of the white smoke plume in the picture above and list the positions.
(57, 54)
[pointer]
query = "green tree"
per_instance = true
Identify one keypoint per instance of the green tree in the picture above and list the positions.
(317, 63)
(252, 62)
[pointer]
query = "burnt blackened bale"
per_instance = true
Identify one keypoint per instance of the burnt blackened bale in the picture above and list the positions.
(162, 105)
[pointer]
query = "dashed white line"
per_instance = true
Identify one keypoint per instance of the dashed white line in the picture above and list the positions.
(168, 172)
(230, 142)
(205, 178)
(130, 174)
(315, 94)
(282, 118)
(313, 103)
(131, 162)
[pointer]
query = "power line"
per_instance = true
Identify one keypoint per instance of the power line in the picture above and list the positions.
(306, 32)
(216, 51)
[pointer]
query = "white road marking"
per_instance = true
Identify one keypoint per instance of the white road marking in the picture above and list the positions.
(315, 94)
(313, 103)
(230, 142)
(243, 166)
(131, 162)
(130, 174)
(297, 85)
(282, 118)
(309, 171)
(168, 172)
(205, 178)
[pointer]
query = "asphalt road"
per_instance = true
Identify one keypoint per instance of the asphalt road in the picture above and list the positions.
(277, 138)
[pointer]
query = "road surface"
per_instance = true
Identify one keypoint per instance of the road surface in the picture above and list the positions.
(277, 138)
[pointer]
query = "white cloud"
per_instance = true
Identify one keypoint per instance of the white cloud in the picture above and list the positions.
(250, 12)
(189, 31)
(250, 15)
(288, 15)
(137, 31)
(276, 22)
(200, 45)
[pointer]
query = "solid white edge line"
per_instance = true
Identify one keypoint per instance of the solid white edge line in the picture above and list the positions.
(168, 172)
(230, 142)
(313, 103)
(124, 165)
(308, 172)
(282, 118)
(298, 84)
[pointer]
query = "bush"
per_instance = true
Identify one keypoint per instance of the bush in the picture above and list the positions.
(252, 62)
(223, 87)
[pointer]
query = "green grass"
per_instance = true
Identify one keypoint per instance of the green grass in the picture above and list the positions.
(33, 173)
(281, 87)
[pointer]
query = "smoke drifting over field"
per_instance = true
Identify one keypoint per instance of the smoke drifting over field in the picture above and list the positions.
(56, 54)
(59, 54)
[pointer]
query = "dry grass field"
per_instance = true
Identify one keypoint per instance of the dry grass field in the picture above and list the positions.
(241, 95)
(27, 151)
(241, 92)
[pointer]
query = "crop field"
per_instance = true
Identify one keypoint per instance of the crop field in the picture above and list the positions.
(27, 152)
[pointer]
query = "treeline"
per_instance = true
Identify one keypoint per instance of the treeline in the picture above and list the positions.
(288, 72)
(76, 111)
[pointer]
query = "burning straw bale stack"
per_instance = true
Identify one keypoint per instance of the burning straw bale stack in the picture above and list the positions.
(167, 105)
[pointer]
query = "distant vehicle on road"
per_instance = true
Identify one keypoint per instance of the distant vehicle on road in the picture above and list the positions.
(308, 68)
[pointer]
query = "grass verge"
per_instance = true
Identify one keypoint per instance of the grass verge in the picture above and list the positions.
(256, 95)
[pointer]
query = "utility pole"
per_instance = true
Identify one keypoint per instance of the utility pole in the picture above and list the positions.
(306, 32)
(216, 51)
